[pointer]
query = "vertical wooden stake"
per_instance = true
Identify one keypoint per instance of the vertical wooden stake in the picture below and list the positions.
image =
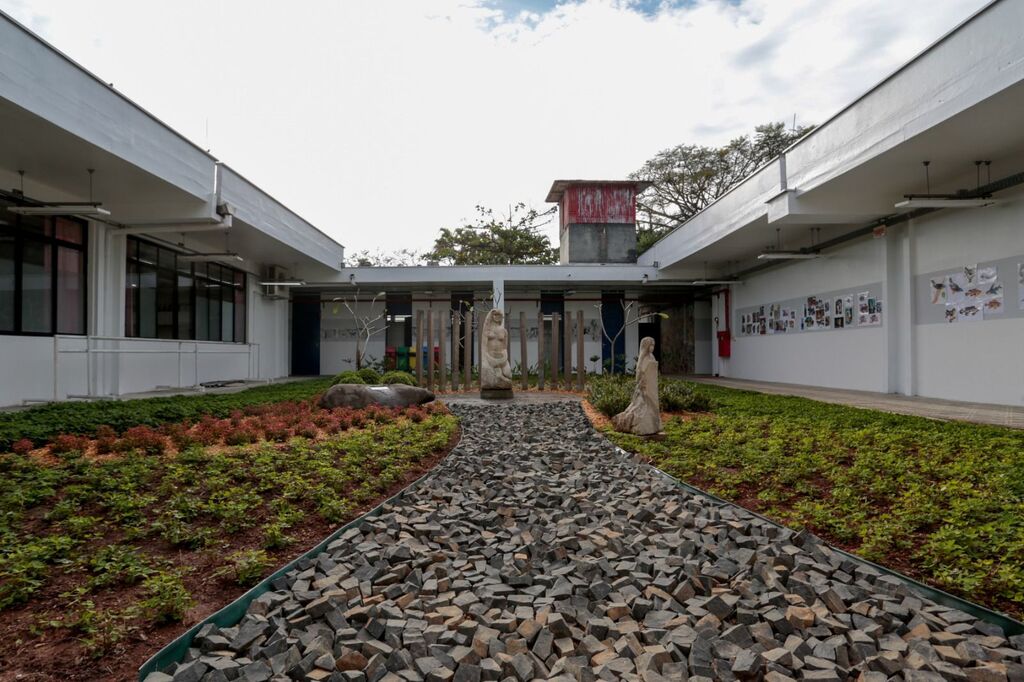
(555, 319)
(442, 321)
(479, 320)
(430, 349)
(567, 351)
(581, 367)
(540, 351)
(456, 349)
(467, 352)
(417, 349)
(524, 368)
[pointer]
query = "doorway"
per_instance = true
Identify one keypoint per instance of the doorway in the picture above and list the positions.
(306, 335)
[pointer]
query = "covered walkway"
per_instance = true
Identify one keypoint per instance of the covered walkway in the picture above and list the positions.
(932, 408)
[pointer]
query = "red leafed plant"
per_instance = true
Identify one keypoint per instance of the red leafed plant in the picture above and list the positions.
(66, 443)
(143, 439)
(22, 447)
(106, 439)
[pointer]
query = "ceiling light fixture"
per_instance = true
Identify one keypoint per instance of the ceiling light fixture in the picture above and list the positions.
(207, 257)
(921, 201)
(60, 209)
(703, 282)
(788, 255)
(284, 283)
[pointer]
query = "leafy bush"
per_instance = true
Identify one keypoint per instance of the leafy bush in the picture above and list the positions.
(398, 377)
(22, 447)
(167, 598)
(42, 423)
(369, 375)
(678, 396)
(142, 439)
(65, 444)
(348, 377)
(609, 393)
(247, 566)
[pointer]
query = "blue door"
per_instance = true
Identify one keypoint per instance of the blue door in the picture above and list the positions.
(306, 336)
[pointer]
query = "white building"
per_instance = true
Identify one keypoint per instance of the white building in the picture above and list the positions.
(131, 260)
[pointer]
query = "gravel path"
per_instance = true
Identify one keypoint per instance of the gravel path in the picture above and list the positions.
(537, 550)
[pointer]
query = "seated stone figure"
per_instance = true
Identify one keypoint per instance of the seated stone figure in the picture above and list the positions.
(495, 372)
(643, 416)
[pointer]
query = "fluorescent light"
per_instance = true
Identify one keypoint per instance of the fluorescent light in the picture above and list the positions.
(924, 202)
(715, 281)
(60, 209)
(284, 283)
(787, 255)
(205, 257)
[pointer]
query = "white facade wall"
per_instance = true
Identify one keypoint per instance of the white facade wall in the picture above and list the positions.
(837, 358)
(106, 364)
(339, 331)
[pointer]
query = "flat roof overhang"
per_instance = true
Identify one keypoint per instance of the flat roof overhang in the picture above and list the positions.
(558, 187)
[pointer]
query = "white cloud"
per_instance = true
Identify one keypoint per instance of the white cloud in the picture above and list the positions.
(381, 122)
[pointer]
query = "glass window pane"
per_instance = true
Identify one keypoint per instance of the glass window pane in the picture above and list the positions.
(202, 303)
(131, 294)
(184, 307)
(69, 230)
(38, 225)
(70, 291)
(240, 306)
(6, 280)
(147, 299)
(166, 284)
(213, 293)
(36, 287)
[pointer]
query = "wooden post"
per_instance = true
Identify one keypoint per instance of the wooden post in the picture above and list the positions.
(540, 351)
(416, 349)
(442, 322)
(479, 320)
(567, 351)
(456, 349)
(524, 367)
(555, 319)
(581, 367)
(467, 352)
(430, 349)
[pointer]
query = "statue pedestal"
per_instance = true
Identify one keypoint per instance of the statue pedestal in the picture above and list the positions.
(496, 393)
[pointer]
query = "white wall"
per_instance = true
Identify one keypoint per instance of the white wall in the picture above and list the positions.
(978, 361)
(840, 358)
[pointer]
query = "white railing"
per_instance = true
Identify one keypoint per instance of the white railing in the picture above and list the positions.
(182, 349)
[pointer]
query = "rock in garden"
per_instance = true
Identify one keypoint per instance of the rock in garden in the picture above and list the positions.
(358, 396)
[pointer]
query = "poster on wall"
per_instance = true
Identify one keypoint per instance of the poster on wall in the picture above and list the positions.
(862, 307)
(993, 307)
(1020, 285)
(957, 288)
(848, 310)
(968, 312)
(938, 290)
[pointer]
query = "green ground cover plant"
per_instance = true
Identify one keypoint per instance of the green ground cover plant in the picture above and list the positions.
(103, 547)
(40, 424)
(940, 501)
(610, 394)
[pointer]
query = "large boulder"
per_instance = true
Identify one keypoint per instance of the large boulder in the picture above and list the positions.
(360, 395)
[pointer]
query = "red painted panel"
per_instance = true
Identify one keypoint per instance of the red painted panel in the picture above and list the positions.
(599, 204)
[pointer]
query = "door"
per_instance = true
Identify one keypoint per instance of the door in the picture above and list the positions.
(306, 336)
(613, 317)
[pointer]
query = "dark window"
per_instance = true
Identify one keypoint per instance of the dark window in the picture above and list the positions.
(42, 274)
(168, 297)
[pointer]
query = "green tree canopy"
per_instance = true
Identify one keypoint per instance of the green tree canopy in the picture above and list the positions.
(688, 177)
(512, 239)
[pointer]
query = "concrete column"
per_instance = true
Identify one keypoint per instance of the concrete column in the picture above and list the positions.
(498, 292)
(898, 310)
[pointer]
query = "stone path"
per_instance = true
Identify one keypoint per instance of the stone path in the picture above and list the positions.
(538, 551)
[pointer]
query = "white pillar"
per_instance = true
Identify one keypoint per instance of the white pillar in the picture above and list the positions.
(498, 293)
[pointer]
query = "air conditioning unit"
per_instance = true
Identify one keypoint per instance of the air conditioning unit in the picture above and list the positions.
(275, 273)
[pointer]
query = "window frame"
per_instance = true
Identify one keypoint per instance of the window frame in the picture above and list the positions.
(197, 273)
(19, 227)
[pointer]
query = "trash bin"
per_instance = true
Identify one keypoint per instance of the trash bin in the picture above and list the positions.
(390, 358)
(402, 358)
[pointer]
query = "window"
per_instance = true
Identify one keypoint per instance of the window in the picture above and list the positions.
(167, 297)
(42, 274)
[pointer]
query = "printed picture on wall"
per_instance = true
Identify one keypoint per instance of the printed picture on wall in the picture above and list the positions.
(848, 310)
(938, 290)
(958, 286)
(837, 306)
(993, 306)
(968, 312)
(971, 274)
(987, 274)
(950, 313)
(838, 323)
(994, 289)
(1020, 285)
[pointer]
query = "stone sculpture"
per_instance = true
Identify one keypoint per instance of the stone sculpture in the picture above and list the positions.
(359, 396)
(643, 416)
(495, 372)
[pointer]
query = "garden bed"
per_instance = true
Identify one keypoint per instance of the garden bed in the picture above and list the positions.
(109, 546)
(942, 502)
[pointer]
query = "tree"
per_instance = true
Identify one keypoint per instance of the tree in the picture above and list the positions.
(631, 316)
(688, 177)
(380, 258)
(367, 324)
(512, 239)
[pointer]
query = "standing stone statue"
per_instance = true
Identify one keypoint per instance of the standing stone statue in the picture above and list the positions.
(643, 416)
(495, 372)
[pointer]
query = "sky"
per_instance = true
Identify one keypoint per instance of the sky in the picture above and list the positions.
(382, 121)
